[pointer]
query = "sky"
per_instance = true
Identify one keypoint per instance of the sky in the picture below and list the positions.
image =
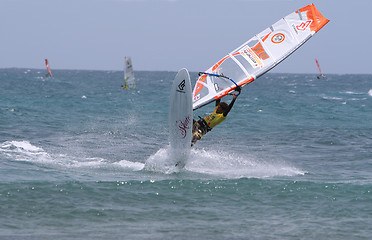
(167, 35)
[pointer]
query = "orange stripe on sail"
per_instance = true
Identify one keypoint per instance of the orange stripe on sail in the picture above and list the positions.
(264, 39)
(200, 86)
(219, 63)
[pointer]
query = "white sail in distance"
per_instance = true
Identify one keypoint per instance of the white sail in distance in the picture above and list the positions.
(129, 79)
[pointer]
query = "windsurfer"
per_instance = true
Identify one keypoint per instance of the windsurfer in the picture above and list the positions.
(204, 125)
(126, 84)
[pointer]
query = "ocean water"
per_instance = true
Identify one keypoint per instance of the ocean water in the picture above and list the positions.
(80, 158)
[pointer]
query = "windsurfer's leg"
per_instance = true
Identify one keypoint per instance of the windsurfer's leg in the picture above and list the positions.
(197, 135)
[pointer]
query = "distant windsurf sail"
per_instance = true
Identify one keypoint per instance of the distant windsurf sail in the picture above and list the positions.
(320, 71)
(258, 55)
(129, 80)
(49, 74)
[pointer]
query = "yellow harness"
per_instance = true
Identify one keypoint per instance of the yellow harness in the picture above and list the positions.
(205, 125)
(214, 118)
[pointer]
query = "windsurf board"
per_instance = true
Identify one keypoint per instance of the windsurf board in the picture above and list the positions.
(180, 118)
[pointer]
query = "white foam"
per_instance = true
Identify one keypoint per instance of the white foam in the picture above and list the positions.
(221, 164)
(370, 92)
(357, 99)
(162, 162)
(24, 151)
(332, 98)
(20, 146)
(232, 165)
(74, 162)
(349, 92)
(135, 166)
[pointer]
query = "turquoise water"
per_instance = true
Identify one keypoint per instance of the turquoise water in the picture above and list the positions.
(292, 161)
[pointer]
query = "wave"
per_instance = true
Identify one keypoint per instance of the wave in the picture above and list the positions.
(352, 93)
(25, 151)
(343, 99)
(331, 98)
(357, 99)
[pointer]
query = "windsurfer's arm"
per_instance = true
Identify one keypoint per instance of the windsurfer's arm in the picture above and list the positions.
(218, 102)
(232, 102)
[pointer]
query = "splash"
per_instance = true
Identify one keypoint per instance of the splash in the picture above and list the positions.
(135, 166)
(234, 165)
(162, 162)
(209, 163)
(221, 164)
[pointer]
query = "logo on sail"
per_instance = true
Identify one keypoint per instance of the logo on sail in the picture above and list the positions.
(181, 86)
(304, 25)
(278, 38)
(251, 57)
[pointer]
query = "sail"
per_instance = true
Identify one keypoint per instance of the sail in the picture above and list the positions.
(317, 64)
(320, 71)
(49, 74)
(129, 74)
(258, 55)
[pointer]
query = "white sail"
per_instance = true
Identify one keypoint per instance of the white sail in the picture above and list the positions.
(258, 55)
(129, 79)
